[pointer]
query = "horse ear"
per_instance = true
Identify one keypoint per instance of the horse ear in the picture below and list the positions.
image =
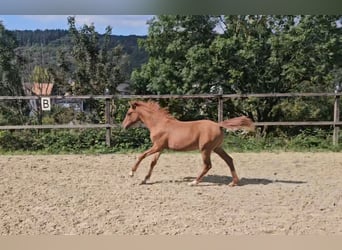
(133, 105)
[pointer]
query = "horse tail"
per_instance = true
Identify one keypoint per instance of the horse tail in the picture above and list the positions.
(241, 122)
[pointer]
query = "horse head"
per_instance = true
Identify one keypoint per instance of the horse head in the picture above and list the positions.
(132, 116)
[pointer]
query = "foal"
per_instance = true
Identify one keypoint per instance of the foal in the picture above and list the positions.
(166, 132)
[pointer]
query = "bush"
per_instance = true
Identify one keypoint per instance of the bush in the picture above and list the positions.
(134, 138)
(137, 139)
(74, 141)
(307, 140)
(18, 140)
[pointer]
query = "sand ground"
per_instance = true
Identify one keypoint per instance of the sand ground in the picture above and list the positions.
(279, 193)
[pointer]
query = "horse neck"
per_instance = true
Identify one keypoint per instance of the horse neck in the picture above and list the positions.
(151, 119)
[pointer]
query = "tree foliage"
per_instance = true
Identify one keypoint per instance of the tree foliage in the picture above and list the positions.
(244, 54)
(52, 49)
(10, 82)
(97, 68)
(174, 43)
(41, 75)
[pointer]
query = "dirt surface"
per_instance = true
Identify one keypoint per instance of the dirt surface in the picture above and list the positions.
(280, 193)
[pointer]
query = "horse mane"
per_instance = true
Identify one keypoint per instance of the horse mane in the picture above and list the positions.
(154, 107)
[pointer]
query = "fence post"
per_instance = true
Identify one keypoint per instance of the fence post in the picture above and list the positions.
(336, 119)
(220, 108)
(220, 105)
(108, 122)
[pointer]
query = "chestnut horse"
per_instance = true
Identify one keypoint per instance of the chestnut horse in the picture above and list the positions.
(166, 132)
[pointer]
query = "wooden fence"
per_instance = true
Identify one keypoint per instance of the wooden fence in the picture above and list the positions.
(108, 125)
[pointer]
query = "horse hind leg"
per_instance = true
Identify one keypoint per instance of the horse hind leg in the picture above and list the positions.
(206, 167)
(153, 163)
(229, 160)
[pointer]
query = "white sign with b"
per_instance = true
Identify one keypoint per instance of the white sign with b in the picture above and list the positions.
(46, 103)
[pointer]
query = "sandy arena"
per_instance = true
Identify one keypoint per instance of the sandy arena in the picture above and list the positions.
(280, 193)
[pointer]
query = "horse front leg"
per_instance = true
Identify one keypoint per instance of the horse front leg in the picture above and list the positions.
(148, 152)
(153, 163)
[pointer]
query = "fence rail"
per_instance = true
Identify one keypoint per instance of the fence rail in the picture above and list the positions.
(200, 96)
(336, 123)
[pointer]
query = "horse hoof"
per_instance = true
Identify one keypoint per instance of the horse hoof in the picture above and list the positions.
(131, 174)
(232, 184)
(193, 183)
(143, 182)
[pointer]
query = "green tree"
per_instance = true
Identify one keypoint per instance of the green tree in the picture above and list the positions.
(248, 60)
(178, 60)
(252, 54)
(62, 72)
(41, 75)
(11, 112)
(310, 52)
(10, 83)
(97, 67)
(173, 43)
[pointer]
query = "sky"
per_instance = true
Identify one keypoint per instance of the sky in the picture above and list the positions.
(121, 24)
